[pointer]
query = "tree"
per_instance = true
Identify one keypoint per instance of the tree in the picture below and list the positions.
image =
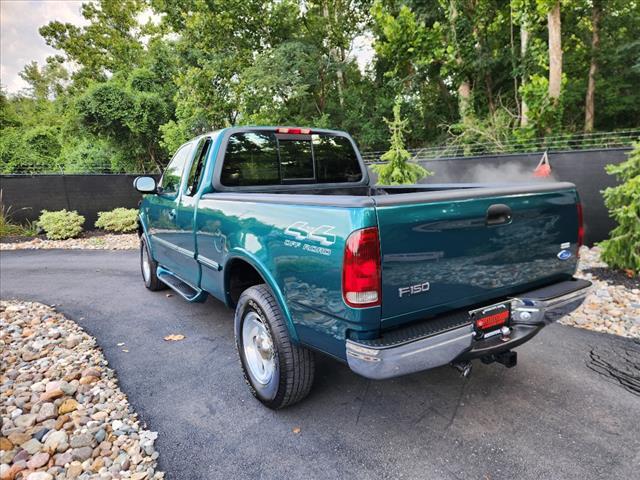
(589, 102)
(398, 169)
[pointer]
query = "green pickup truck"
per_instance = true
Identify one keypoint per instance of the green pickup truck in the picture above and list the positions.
(283, 225)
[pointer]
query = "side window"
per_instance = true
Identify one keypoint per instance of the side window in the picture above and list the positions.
(251, 159)
(195, 173)
(171, 177)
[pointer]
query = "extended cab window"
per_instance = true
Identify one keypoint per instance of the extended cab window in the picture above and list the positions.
(170, 182)
(266, 158)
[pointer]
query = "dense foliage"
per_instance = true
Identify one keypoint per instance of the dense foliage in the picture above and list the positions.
(622, 249)
(121, 94)
(118, 220)
(61, 224)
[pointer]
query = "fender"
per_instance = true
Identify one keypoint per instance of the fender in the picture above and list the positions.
(142, 225)
(241, 254)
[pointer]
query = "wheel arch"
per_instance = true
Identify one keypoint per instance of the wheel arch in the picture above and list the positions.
(241, 272)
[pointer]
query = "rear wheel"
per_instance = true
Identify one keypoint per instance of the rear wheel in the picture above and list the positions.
(149, 268)
(278, 372)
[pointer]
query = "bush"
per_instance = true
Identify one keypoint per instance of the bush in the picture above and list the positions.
(118, 220)
(61, 224)
(622, 249)
(398, 168)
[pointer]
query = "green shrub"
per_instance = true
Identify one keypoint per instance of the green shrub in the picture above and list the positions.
(622, 249)
(61, 224)
(398, 168)
(118, 220)
(10, 228)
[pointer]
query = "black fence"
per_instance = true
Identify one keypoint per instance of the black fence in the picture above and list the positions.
(89, 194)
(27, 195)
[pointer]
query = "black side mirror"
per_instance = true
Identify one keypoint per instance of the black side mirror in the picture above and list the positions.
(145, 185)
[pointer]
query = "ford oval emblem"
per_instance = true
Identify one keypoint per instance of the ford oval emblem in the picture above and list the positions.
(564, 255)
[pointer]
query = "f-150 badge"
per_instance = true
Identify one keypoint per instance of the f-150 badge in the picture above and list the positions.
(414, 289)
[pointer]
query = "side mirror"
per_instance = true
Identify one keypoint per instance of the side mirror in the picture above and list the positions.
(145, 184)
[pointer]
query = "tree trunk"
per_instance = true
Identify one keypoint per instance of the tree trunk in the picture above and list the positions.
(464, 99)
(524, 44)
(555, 52)
(590, 99)
(465, 106)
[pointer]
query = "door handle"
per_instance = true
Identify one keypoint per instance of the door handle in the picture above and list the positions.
(172, 213)
(498, 214)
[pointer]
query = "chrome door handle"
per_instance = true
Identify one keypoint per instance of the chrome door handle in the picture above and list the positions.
(172, 213)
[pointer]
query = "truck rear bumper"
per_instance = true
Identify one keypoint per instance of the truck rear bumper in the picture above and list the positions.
(432, 344)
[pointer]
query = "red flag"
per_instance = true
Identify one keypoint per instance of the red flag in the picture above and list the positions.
(544, 167)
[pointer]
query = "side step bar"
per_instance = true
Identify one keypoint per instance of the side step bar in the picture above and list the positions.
(182, 288)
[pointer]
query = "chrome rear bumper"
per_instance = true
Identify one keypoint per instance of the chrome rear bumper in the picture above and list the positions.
(530, 312)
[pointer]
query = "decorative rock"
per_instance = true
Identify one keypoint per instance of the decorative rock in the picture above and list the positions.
(82, 453)
(18, 438)
(38, 460)
(63, 415)
(68, 388)
(47, 411)
(91, 372)
(51, 395)
(5, 444)
(74, 470)
(32, 446)
(40, 476)
(81, 440)
(54, 439)
(62, 459)
(26, 420)
(40, 434)
(100, 435)
(68, 406)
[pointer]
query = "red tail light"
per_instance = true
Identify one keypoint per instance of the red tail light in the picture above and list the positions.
(580, 227)
(361, 269)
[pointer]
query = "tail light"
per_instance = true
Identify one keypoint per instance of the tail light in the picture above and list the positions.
(580, 227)
(296, 131)
(361, 269)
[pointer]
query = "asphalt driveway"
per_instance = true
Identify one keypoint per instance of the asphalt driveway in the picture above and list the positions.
(552, 416)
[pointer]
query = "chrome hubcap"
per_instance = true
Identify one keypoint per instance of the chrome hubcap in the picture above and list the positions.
(146, 265)
(258, 348)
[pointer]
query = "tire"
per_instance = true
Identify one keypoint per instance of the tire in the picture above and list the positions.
(150, 277)
(260, 325)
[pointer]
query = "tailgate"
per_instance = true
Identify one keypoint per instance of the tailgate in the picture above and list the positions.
(455, 250)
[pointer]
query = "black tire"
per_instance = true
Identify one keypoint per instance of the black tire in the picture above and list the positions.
(294, 364)
(153, 283)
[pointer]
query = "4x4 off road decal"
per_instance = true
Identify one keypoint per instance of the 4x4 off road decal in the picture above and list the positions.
(305, 236)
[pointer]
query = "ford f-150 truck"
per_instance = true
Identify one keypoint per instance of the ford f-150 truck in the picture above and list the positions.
(283, 225)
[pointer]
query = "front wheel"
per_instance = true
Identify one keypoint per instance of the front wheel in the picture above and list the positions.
(278, 372)
(149, 268)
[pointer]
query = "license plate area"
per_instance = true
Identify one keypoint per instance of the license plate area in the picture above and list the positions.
(489, 319)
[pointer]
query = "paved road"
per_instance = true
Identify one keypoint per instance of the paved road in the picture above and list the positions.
(550, 417)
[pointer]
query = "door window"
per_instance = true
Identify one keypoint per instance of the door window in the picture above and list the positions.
(195, 173)
(170, 182)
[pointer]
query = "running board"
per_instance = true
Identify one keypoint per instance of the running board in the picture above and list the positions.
(181, 287)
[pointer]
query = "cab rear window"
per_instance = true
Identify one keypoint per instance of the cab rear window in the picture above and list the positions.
(269, 158)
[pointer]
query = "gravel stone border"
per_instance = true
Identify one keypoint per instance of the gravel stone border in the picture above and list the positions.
(110, 241)
(613, 306)
(63, 414)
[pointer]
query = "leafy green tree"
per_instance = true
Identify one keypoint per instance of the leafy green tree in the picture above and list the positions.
(398, 169)
(622, 249)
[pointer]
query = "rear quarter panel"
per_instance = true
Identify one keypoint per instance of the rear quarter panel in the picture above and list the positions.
(304, 272)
